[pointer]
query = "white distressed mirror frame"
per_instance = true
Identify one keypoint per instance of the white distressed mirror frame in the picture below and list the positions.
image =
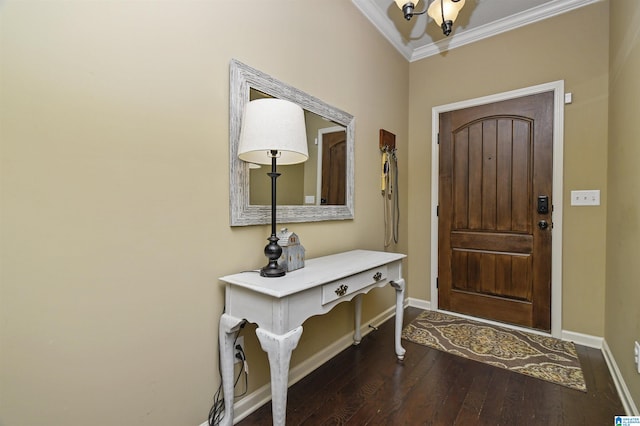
(242, 213)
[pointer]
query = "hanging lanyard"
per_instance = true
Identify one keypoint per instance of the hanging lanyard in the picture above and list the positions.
(385, 171)
(389, 187)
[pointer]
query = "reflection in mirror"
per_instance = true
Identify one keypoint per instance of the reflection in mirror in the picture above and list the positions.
(319, 189)
(318, 181)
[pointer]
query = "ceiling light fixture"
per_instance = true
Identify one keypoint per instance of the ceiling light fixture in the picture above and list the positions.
(444, 12)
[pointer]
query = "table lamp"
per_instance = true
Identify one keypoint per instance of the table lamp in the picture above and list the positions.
(273, 132)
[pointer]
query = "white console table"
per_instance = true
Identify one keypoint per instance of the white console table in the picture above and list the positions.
(279, 306)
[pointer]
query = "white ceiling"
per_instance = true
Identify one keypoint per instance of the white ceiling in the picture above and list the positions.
(421, 37)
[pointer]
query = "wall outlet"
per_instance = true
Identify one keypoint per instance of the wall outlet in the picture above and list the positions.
(237, 354)
(636, 357)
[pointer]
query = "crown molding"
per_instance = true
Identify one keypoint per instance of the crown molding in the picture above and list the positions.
(385, 26)
(535, 14)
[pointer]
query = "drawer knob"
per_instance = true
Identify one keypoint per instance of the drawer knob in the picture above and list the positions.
(377, 276)
(342, 290)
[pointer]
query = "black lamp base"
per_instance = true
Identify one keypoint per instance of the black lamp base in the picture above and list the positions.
(273, 252)
(272, 271)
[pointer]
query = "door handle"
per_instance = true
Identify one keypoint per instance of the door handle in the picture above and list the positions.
(543, 224)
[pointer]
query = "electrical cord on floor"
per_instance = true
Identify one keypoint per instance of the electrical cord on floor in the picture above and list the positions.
(216, 413)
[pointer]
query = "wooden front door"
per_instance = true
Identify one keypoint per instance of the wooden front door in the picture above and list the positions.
(494, 239)
(334, 168)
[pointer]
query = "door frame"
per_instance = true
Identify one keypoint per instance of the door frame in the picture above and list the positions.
(557, 87)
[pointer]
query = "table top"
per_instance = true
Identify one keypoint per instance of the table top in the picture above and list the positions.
(316, 272)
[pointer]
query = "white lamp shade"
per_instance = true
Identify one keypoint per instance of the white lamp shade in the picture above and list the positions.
(273, 124)
(401, 3)
(450, 8)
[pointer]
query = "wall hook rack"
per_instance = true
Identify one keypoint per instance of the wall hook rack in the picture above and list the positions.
(387, 141)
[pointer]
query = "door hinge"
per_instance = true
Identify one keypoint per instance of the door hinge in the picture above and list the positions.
(438, 139)
(438, 210)
(437, 282)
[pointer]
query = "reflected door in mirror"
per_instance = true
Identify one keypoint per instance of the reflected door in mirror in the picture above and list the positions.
(334, 157)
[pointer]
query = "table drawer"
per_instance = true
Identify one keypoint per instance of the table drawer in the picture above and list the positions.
(351, 284)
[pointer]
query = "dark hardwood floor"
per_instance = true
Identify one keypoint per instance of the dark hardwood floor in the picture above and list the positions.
(365, 385)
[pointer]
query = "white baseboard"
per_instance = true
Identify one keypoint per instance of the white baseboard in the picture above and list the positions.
(582, 339)
(262, 395)
(419, 303)
(623, 391)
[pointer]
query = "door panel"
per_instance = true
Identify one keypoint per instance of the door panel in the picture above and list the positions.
(334, 166)
(494, 260)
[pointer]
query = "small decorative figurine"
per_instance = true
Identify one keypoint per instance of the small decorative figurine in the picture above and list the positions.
(292, 257)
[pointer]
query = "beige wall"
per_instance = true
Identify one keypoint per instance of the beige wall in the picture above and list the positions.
(115, 221)
(114, 150)
(622, 314)
(572, 47)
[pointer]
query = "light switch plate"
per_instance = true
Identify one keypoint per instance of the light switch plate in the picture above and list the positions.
(585, 198)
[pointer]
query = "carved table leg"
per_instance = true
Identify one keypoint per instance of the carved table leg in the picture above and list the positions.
(357, 336)
(228, 327)
(399, 286)
(279, 348)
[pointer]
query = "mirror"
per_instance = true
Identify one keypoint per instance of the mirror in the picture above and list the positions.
(319, 189)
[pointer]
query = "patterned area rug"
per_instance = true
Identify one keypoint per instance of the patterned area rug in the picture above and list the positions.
(538, 356)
